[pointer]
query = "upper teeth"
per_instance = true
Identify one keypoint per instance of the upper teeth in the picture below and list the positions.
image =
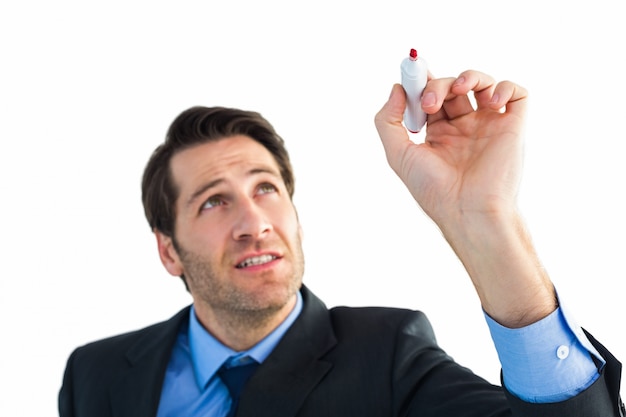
(256, 260)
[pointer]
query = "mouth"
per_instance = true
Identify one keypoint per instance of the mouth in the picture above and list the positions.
(255, 260)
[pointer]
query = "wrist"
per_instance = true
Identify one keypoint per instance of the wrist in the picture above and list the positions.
(497, 252)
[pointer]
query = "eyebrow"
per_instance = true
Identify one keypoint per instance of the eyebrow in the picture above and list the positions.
(212, 184)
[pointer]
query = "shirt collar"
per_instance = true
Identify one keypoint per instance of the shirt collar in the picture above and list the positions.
(208, 354)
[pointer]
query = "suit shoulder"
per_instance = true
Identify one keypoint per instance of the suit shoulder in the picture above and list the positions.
(384, 315)
(110, 347)
(382, 320)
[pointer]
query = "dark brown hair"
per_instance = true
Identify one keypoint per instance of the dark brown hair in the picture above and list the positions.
(195, 126)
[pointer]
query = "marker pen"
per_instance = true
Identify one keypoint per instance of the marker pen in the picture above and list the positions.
(414, 76)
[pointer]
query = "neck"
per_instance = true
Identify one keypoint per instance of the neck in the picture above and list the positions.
(242, 329)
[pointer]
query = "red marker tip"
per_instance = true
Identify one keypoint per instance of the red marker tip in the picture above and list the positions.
(413, 54)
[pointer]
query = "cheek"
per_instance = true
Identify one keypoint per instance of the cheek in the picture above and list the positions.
(203, 236)
(300, 233)
(290, 224)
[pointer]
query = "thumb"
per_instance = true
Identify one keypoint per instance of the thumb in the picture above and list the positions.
(388, 123)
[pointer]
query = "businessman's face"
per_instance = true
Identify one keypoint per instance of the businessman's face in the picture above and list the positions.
(237, 237)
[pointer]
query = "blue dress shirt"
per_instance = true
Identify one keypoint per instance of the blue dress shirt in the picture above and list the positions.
(191, 386)
(561, 364)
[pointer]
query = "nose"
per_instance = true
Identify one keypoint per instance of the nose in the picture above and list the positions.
(251, 222)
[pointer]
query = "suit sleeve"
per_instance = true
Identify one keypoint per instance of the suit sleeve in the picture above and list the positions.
(428, 383)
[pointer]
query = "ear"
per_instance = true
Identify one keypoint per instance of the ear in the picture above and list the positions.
(167, 253)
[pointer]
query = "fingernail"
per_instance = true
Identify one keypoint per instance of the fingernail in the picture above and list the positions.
(459, 80)
(429, 99)
(495, 98)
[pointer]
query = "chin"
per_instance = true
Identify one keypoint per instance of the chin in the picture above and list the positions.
(273, 295)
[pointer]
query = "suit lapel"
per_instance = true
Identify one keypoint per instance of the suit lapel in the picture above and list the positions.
(138, 390)
(280, 386)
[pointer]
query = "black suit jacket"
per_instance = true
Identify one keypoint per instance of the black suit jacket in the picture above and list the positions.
(340, 362)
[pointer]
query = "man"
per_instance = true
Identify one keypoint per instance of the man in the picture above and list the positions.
(218, 194)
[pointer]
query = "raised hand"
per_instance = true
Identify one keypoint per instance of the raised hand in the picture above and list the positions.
(465, 176)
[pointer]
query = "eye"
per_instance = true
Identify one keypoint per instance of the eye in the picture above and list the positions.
(266, 188)
(211, 202)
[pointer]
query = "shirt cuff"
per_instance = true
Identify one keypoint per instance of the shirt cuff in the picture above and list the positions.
(547, 361)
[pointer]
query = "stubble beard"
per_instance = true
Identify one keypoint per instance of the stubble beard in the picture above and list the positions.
(231, 305)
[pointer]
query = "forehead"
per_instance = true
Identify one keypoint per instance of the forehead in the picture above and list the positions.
(219, 159)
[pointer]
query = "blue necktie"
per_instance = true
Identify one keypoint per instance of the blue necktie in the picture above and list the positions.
(235, 378)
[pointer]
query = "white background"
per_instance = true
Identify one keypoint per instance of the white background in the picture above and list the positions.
(88, 89)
